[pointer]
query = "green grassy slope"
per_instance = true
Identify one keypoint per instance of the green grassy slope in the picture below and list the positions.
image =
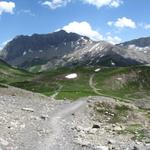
(125, 83)
(10, 74)
(49, 82)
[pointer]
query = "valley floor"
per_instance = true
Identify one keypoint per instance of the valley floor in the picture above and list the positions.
(30, 121)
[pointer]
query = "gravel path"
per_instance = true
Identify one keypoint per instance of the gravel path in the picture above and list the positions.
(58, 139)
(91, 84)
(30, 121)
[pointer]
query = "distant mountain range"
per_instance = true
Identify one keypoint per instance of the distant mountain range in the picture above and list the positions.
(45, 51)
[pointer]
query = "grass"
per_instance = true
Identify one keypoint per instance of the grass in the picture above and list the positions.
(3, 86)
(48, 82)
(136, 81)
(138, 132)
(120, 113)
(116, 114)
(10, 74)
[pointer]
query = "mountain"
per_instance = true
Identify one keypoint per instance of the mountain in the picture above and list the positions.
(98, 53)
(103, 53)
(139, 49)
(141, 42)
(27, 51)
(59, 49)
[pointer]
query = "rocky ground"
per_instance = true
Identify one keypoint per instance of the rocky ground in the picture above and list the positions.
(104, 127)
(30, 121)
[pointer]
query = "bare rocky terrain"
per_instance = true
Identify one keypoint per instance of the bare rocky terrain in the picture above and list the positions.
(30, 121)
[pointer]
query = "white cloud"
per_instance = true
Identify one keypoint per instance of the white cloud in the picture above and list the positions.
(7, 7)
(147, 26)
(101, 3)
(123, 23)
(83, 28)
(53, 4)
(110, 23)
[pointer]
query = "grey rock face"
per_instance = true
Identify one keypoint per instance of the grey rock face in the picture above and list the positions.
(27, 51)
(61, 49)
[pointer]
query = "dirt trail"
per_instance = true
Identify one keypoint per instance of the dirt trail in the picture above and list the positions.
(96, 91)
(30, 121)
(57, 92)
(91, 84)
(58, 139)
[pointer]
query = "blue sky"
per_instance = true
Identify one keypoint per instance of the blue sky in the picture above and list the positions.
(111, 20)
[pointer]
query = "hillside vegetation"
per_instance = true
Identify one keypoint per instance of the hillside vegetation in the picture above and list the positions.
(123, 83)
(10, 74)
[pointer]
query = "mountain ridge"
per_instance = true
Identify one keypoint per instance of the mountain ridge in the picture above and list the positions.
(61, 49)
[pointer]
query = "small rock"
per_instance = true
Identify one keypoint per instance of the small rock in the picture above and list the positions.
(73, 114)
(117, 128)
(96, 126)
(111, 147)
(109, 142)
(102, 148)
(44, 117)
(28, 109)
(89, 101)
(135, 148)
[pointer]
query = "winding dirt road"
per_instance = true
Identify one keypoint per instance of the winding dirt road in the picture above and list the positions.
(91, 84)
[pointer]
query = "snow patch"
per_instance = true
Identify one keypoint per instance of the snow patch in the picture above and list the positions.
(97, 70)
(71, 76)
(138, 48)
(112, 63)
(24, 53)
(120, 79)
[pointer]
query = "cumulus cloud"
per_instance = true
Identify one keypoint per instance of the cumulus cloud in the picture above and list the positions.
(123, 23)
(7, 7)
(83, 28)
(53, 4)
(147, 26)
(101, 3)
